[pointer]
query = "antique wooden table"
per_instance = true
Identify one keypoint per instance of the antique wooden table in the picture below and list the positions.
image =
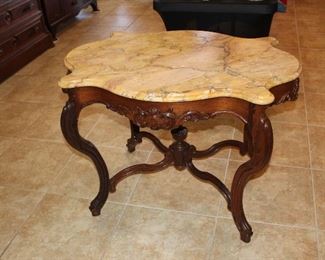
(161, 80)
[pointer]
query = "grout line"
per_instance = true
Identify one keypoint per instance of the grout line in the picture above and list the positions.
(213, 217)
(316, 125)
(125, 205)
(93, 127)
(31, 213)
(211, 246)
(28, 101)
(171, 210)
(114, 231)
(314, 92)
(309, 146)
(21, 225)
(277, 165)
(137, 181)
(274, 224)
(226, 172)
(211, 243)
(285, 122)
(44, 140)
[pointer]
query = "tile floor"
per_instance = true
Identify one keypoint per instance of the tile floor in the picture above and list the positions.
(45, 187)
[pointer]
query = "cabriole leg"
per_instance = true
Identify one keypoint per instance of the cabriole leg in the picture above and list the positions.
(261, 143)
(69, 127)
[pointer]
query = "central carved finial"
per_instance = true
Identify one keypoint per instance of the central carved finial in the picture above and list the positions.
(180, 150)
(179, 133)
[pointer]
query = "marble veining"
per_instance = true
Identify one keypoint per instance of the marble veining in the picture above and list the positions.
(181, 66)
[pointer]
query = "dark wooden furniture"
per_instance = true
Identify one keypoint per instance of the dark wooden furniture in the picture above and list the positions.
(145, 77)
(23, 34)
(242, 18)
(58, 11)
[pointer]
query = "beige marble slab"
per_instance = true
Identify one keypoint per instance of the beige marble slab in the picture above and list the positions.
(181, 66)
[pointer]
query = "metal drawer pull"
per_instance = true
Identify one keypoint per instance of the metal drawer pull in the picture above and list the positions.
(8, 17)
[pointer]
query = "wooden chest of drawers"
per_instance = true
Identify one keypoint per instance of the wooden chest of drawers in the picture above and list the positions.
(23, 34)
(57, 11)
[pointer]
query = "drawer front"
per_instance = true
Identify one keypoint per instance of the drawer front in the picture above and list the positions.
(14, 12)
(54, 10)
(20, 39)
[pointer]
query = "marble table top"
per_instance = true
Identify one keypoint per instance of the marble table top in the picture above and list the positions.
(181, 66)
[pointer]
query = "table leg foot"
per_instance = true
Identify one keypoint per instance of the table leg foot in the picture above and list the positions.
(246, 235)
(95, 210)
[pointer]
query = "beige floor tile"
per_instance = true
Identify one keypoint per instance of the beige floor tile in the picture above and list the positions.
(15, 117)
(281, 195)
(317, 42)
(106, 15)
(139, 3)
(319, 182)
(118, 20)
(7, 86)
(176, 190)
(142, 24)
(83, 39)
(313, 12)
(322, 244)
(79, 178)
(317, 147)
(294, 154)
(315, 105)
(155, 234)
(290, 145)
(310, 29)
(36, 88)
(5, 143)
(61, 47)
(47, 126)
(285, 32)
(57, 69)
(313, 58)
(289, 15)
(130, 9)
(44, 64)
(15, 207)
(290, 112)
(62, 228)
(310, 26)
(32, 165)
(268, 242)
(114, 130)
(314, 80)
(33, 67)
(206, 133)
